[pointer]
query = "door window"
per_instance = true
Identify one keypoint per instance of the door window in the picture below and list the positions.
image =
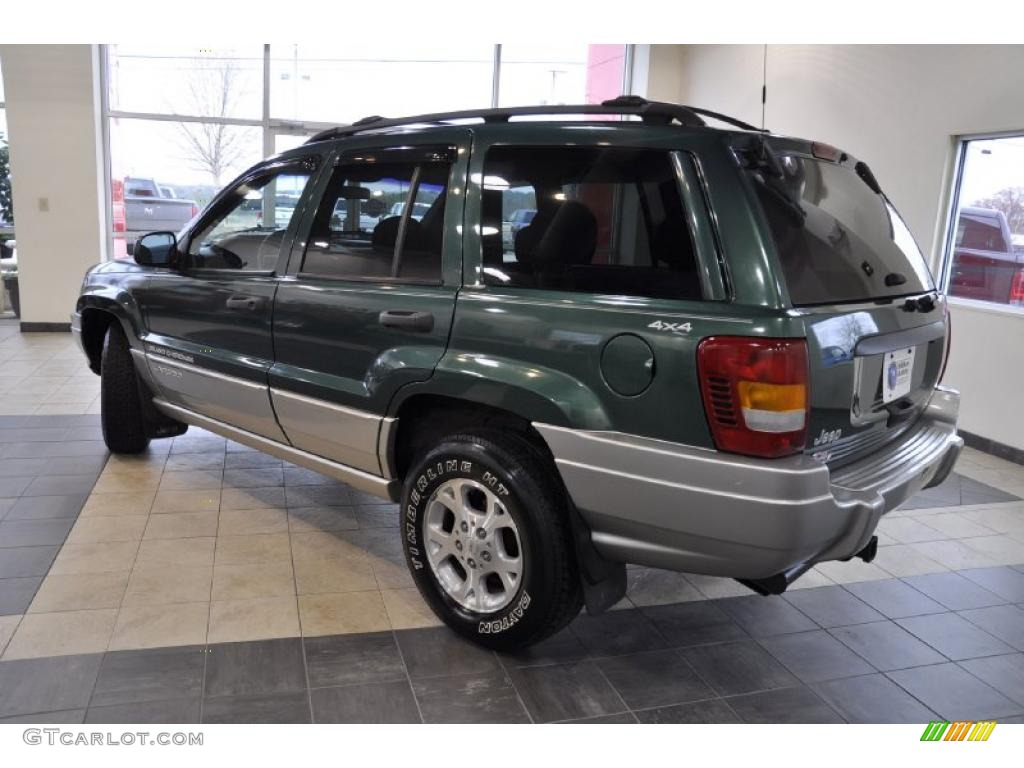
(586, 219)
(248, 230)
(380, 221)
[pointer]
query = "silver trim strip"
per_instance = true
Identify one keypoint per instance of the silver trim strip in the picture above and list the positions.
(346, 435)
(358, 479)
(385, 446)
(204, 371)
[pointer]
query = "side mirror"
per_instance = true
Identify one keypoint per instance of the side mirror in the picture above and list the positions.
(155, 249)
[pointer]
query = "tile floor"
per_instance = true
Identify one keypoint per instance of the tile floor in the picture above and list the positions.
(205, 581)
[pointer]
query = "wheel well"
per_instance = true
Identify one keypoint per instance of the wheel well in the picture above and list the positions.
(94, 327)
(425, 419)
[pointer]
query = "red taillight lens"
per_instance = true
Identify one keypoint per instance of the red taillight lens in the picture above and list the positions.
(1017, 289)
(195, 210)
(755, 394)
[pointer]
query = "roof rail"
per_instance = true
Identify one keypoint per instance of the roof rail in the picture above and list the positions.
(656, 112)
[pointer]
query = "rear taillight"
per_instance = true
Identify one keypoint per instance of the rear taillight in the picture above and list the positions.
(195, 210)
(755, 394)
(947, 342)
(1017, 289)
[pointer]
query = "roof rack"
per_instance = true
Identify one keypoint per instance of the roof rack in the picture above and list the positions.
(655, 112)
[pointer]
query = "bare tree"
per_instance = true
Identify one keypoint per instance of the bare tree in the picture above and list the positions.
(1011, 202)
(213, 86)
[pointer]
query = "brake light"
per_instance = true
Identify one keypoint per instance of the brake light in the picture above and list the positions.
(195, 210)
(1017, 289)
(755, 394)
(119, 220)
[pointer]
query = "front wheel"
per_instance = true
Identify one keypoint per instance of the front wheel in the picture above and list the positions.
(124, 426)
(485, 531)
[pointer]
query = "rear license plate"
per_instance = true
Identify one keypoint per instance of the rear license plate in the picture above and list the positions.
(897, 373)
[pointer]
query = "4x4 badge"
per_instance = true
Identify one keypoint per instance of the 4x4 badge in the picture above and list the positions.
(661, 325)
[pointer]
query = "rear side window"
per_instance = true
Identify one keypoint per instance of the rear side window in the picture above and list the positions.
(837, 239)
(380, 221)
(586, 219)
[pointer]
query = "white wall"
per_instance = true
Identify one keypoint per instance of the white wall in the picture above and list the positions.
(52, 103)
(899, 108)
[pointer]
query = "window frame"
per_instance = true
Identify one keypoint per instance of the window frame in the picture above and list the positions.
(416, 155)
(947, 245)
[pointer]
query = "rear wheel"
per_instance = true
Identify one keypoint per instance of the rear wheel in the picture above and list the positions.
(485, 531)
(124, 427)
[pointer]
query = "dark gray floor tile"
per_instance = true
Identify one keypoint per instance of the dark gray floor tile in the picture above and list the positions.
(617, 632)
(654, 679)
(350, 659)
(786, 705)
(742, 667)
(559, 649)
(695, 713)
(5, 507)
(872, 699)
(47, 507)
(832, 606)
(159, 674)
(26, 561)
(954, 637)
(888, 646)
(253, 477)
(250, 460)
(1004, 581)
(694, 623)
(565, 692)
(816, 656)
(294, 475)
(377, 515)
(83, 433)
(323, 518)
(64, 448)
(953, 693)
(369, 703)
(954, 591)
(1003, 621)
(47, 685)
(75, 465)
(622, 718)
(14, 486)
(264, 666)
(439, 652)
(33, 434)
(975, 492)
(178, 711)
(894, 598)
(60, 485)
(469, 699)
(318, 496)
(258, 708)
(64, 717)
(34, 533)
(16, 594)
(766, 616)
(1004, 673)
(22, 467)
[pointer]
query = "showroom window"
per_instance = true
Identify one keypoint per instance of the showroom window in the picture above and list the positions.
(985, 243)
(184, 122)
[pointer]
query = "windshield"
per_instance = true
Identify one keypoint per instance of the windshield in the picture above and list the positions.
(837, 239)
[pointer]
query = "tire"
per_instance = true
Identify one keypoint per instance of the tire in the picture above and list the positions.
(540, 592)
(124, 427)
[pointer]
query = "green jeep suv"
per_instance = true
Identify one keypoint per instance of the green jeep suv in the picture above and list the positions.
(711, 350)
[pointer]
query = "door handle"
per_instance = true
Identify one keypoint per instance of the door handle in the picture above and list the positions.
(406, 320)
(250, 303)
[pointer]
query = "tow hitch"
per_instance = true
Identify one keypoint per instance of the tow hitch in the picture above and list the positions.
(777, 584)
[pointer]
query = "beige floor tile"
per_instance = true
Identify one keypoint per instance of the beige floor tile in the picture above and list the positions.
(118, 504)
(1002, 550)
(7, 626)
(957, 526)
(196, 551)
(406, 609)
(240, 522)
(258, 548)
(114, 483)
(852, 571)
(319, 519)
(954, 554)
(95, 529)
(342, 613)
(391, 575)
(325, 545)
(98, 557)
(155, 626)
(715, 587)
(244, 582)
(155, 584)
(182, 525)
(58, 634)
(145, 471)
(908, 530)
(186, 501)
(350, 574)
(79, 592)
(810, 580)
(253, 619)
(999, 519)
(902, 560)
(195, 480)
(253, 498)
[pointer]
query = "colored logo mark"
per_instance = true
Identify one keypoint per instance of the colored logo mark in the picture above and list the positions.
(961, 730)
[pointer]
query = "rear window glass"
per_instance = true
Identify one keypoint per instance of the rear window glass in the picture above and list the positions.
(837, 239)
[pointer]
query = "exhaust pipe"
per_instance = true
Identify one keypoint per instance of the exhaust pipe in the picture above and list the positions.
(779, 583)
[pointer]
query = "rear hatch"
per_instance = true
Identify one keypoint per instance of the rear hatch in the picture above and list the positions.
(874, 324)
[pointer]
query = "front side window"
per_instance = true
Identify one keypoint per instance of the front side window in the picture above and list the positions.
(249, 228)
(586, 219)
(380, 221)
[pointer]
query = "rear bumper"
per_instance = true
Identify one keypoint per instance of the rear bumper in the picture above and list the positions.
(666, 505)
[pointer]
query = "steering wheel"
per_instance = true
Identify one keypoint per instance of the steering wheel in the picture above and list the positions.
(212, 251)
